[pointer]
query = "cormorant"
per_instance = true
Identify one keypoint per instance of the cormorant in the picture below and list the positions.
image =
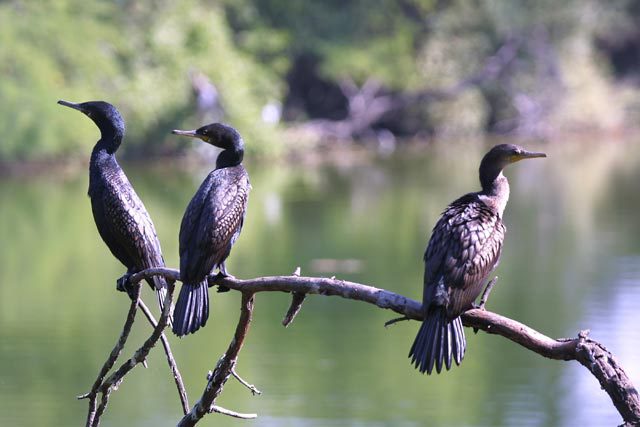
(121, 218)
(464, 248)
(210, 225)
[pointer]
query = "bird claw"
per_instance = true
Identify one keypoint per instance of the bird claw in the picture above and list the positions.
(222, 274)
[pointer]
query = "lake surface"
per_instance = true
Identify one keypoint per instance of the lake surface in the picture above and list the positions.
(571, 261)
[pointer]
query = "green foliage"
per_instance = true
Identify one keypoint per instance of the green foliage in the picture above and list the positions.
(137, 55)
(357, 38)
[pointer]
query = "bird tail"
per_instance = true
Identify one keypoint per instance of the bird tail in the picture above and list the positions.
(439, 340)
(192, 308)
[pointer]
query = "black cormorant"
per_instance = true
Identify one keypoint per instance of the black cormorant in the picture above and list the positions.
(210, 225)
(121, 218)
(464, 248)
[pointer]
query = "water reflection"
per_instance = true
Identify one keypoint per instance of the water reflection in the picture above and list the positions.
(570, 262)
(611, 315)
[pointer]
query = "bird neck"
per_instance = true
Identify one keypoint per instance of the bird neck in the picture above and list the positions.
(230, 157)
(496, 193)
(110, 139)
(103, 167)
(101, 157)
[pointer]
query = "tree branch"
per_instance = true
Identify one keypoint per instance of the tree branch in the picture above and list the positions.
(182, 392)
(113, 381)
(591, 354)
(223, 370)
(113, 356)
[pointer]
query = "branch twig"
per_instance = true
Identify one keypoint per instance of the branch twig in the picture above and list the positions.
(223, 369)
(253, 389)
(395, 320)
(113, 357)
(297, 298)
(182, 392)
(114, 380)
(221, 410)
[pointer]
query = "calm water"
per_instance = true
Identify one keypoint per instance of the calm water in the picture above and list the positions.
(571, 262)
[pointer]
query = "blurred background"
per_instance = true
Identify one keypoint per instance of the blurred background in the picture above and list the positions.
(362, 120)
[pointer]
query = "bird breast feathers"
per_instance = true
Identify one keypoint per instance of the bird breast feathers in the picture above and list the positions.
(465, 244)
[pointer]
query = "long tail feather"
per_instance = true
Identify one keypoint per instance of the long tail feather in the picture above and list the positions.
(439, 340)
(192, 309)
(159, 284)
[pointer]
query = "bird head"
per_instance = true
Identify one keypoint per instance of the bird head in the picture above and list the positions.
(505, 154)
(217, 134)
(104, 115)
(501, 156)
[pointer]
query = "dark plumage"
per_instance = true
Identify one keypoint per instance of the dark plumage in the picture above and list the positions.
(464, 248)
(210, 225)
(120, 216)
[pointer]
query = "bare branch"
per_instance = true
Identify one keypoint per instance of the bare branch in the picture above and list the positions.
(113, 356)
(297, 298)
(395, 320)
(225, 365)
(221, 410)
(114, 380)
(593, 355)
(182, 392)
(254, 390)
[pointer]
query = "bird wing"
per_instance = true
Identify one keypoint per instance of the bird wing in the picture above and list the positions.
(212, 222)
(464, 248)
(125, 225)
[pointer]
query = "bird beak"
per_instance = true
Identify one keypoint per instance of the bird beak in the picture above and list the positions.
(528, 155)
(70, 105)
(191, 133)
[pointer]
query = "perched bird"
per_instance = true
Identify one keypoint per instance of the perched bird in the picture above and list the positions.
(210, 225)
(121, 218)
(464, 248)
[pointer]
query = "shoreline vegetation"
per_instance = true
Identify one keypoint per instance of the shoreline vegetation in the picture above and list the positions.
(311, 154)
(302, 81)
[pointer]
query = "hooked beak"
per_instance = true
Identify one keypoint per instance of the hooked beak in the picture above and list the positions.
(70, 105)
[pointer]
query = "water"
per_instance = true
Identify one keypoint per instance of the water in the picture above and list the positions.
(571, 261)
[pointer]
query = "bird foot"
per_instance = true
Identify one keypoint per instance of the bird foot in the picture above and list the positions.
(123, 284)
(222, 274)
